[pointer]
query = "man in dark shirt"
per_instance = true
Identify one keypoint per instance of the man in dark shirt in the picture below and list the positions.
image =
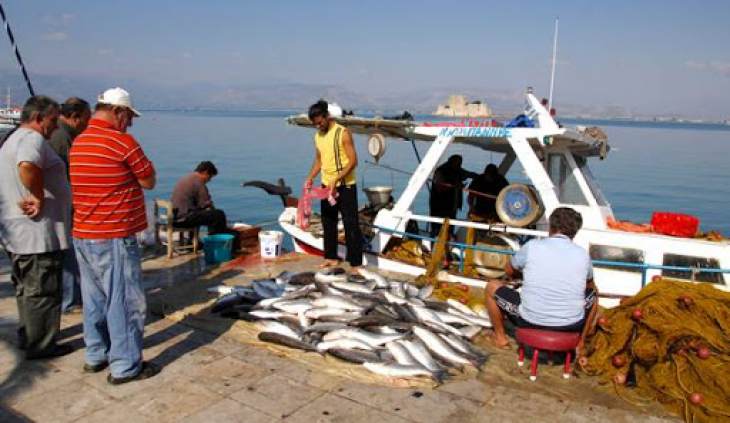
(74, 117)
(491, 182)
(447, 190)
(192, 203)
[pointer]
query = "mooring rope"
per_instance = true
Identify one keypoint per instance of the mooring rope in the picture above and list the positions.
(17, 52)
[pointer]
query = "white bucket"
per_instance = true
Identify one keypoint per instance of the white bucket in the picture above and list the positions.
(270, 242)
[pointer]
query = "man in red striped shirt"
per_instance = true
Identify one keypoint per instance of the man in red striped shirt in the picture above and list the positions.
(108, 171)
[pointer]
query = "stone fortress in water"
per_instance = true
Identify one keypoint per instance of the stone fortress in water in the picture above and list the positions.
(458, 106)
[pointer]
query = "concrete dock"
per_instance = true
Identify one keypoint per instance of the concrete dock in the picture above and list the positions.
(209, 375)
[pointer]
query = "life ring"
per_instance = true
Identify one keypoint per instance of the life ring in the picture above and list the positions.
(519, 205)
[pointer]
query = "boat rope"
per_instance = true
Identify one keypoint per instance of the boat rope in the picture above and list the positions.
(17, 52)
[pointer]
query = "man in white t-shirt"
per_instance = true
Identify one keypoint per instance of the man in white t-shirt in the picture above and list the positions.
(35, 218)
(557, 288)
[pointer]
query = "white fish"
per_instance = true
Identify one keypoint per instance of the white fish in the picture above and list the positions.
(461, 307)
(430, 317)
(352, 287)
(420, 353)
(395, 299)
(328, 278)
(470, 331)
(411, 290)
(267, 314)
(280, 328)
(400, 353)
(380, 281)
(294, 306)
(472, 319)
(401, 371)
(347, 343)
(425, 292)
(268, 302)
(437, 346)
(336, 301)
(320, 312)
(460, 345)
(451, 318)
(396, 288)
(372, 339)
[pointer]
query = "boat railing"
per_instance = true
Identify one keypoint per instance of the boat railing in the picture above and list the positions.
(462, 247)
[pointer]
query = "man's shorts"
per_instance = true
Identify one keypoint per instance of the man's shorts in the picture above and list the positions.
(508, 300)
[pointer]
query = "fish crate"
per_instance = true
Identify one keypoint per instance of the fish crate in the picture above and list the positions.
(675, 224)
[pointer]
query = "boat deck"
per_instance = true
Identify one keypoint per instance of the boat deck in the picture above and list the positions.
(211, 372)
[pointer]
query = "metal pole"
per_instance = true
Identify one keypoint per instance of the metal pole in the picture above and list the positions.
(552, 73)
(17, 52)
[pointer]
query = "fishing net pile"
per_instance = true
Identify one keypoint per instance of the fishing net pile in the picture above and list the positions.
(670, 343)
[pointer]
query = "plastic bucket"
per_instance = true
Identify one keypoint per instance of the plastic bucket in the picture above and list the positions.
(270, 242)
(217, 248)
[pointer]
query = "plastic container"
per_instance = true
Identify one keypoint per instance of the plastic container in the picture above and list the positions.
(271, 242)
(675, 224)
(218, 248)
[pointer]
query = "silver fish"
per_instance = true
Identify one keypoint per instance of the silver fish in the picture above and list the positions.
(470, 331)
(402, 371)
(380, 281)
(299, 292)
(335, 301)
(352, 287)
(430, 318)
(345, 317)
(346, 343)
(280, 328)
(401, 354)
(411, 290)
(324, 327)
(372, 339)
(451, 318)
(396, 288)
(277, 338)
(355, 356)
(437, 346)
(294, 306)
(267, 314)
(320, 312)
(394, 299)
(461, 307)
(472, 319)
(329, 277)
(425, 292)
(420, 353)
(462, 346)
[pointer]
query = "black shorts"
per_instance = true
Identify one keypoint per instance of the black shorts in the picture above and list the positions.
(508, 300)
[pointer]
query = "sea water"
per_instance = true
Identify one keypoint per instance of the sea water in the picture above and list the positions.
(651, 167)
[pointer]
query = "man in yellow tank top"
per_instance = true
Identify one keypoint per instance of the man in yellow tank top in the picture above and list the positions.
(335, 160)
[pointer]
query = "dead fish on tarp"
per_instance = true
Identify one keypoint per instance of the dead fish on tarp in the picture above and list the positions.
(277, 338)
(267, 288)
(356, 356)
(228, 301)
(335, 274)
(303, 278)
(404, 371)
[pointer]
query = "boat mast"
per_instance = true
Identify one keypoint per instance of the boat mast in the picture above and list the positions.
(552, 73)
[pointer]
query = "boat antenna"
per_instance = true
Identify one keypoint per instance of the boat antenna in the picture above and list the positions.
(552, 73)
(17, 52)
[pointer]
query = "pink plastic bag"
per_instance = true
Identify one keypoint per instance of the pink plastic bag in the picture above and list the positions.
(304, 209)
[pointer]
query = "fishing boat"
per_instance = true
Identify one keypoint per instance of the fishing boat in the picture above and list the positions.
(555, 159)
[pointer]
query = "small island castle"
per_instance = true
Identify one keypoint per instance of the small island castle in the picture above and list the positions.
(458, 106)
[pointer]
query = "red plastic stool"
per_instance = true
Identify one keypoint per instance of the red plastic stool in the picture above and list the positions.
(546, 340)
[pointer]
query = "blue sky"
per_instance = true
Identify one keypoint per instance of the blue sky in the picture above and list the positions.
(647, 56)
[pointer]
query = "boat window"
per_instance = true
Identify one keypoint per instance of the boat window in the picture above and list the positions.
(613, 253)
(698, 263)
(582, 163)
(569, 191)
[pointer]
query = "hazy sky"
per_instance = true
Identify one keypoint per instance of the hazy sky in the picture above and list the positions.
(660, 56)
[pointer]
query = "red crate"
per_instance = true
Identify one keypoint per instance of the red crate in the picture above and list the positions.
(675, 224)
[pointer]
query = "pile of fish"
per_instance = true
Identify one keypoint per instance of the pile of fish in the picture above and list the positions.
(390, 327)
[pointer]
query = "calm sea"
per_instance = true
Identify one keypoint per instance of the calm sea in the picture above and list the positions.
(652, 167)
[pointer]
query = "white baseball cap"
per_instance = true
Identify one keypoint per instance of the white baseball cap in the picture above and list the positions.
(118, 97)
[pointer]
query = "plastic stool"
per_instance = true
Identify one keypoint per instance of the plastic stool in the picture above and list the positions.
(546, 340)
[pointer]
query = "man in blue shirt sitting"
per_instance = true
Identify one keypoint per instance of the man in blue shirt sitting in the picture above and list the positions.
(557, 282)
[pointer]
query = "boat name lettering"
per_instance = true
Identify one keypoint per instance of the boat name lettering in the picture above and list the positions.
(486, 132)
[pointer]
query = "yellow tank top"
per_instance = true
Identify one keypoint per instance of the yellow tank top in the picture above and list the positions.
(332, 155)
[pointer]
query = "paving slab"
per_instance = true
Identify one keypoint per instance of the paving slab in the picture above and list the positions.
(173, 401)
(30, 378)
(118, 412)
(276, 395)
(66, 403)
(411, 404)
(333, 408)
(226, 375)
(228, 410)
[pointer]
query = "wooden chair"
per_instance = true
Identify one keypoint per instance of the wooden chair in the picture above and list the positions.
(164, 217)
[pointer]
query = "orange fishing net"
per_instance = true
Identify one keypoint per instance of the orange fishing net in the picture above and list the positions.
(672, 341)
